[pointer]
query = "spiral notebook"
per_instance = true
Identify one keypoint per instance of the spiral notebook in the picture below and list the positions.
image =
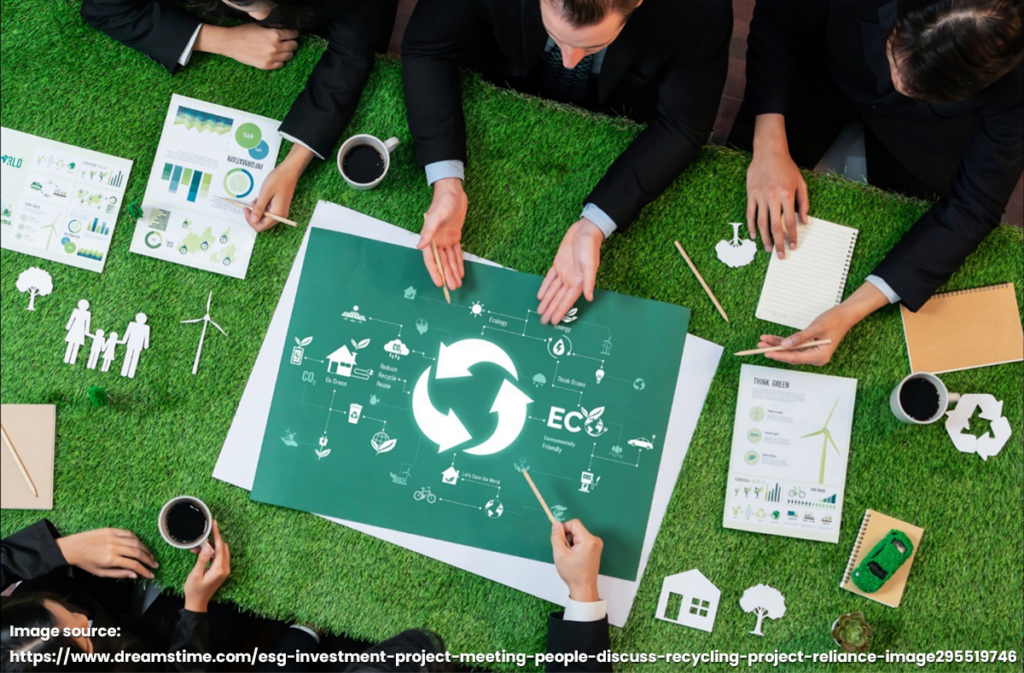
(964, 330)
(812, 278)
(874, 527)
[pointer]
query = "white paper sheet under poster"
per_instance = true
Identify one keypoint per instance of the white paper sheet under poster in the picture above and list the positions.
(58, 201)
(240, 453)
(206, 152)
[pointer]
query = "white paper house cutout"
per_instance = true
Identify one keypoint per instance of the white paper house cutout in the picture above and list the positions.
(698, 603)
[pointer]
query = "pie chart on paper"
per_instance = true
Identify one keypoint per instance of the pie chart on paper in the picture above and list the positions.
(238, 183)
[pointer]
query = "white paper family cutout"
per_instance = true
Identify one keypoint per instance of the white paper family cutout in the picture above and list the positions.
(764, 601)
(958, 424)
(36, 282)
(698, 604)
(737, 252)
(135, 340)
(206, 320)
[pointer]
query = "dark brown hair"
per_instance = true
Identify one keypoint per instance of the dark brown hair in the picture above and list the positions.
(949, 50)
(588, 12)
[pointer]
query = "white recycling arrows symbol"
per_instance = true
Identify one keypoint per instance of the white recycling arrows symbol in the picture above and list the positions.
(958, 422)
(446, 430)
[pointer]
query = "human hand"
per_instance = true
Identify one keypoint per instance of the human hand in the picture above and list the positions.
(573, 272)
(577, 555)
(832, 324)
(250, 44)
(202, 583)
(776, 189)
(278, 189)
(108, 552)
(442, 224)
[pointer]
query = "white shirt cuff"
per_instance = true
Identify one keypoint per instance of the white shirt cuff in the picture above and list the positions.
(576, 611)
(187, 54)
(884, 288)
(306, 629)
(293, 139)
(449, 168)
(600, 218)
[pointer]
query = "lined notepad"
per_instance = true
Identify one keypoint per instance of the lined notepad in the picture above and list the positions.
(874, 527)
(964, 330)
(811, 279)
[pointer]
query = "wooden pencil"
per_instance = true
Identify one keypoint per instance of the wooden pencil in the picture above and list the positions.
(18, 461)
(440, 270)
(276, 218)
(540, 499)
(700, 278)
(772, 349)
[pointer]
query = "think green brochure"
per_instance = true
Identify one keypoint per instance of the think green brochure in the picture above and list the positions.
(790, 447)
(397, 409)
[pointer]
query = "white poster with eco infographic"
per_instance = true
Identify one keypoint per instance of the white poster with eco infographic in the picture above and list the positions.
(207, 153)
(790, 447)
(58, 201)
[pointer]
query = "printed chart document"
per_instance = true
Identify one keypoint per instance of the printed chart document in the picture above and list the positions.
(59, 202)
(206, 151)
(242, 446)
(790, 447)
(811, 279)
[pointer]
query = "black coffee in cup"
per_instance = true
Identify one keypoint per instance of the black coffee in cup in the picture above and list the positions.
(920, 399)
(363, 164)
(186, 522)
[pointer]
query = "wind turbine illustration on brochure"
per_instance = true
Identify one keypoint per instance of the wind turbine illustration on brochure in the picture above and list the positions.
(206, 320)
(826, 439)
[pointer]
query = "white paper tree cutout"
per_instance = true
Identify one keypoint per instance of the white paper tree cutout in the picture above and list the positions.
(764, 601)
(737, 252)
(36, 282)
(958, 423)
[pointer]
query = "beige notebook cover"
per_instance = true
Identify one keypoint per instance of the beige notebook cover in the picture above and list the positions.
(874, 527)
(31, 428)
(964, 330)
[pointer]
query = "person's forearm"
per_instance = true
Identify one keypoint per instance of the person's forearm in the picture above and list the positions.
(299, 156)
(770, 133)
(862, 303)
(211, 39)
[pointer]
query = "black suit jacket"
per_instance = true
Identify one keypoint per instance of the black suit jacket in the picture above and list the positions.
(591, 638)
(323, 109)
(975, 146)
(31, 556)
(667, 67)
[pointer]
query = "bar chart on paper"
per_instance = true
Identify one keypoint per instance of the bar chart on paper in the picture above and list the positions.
(195, 183)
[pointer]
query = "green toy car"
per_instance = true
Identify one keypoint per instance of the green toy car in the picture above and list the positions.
(878, 566)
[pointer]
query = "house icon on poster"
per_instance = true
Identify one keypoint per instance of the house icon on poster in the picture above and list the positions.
(450, 476)
(689, 599)
(341, 361)
(410, 292)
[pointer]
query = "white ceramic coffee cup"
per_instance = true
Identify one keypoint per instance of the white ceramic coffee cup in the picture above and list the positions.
(162, 521)
(384, 147)
(945, 397)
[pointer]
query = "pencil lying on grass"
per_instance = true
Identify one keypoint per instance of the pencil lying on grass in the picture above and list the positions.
(444, 278)
(700, 278)
(266, 213)
(772, 349)
(533, 486)
(21, 465)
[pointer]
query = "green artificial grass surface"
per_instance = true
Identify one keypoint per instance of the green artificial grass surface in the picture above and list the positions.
(531, 164)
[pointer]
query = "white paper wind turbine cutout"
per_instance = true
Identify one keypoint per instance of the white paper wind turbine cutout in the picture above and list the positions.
(206, 319)
(736, 253)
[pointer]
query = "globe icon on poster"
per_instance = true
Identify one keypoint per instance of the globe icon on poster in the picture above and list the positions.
(494, 508)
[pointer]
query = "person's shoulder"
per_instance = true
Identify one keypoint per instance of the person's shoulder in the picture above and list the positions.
(680, 14)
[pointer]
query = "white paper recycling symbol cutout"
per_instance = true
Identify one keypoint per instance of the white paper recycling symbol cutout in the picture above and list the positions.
(958, 424)
(736, 253)
(446, 430)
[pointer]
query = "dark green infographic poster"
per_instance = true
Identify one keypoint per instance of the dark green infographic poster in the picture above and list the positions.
(395, 409)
